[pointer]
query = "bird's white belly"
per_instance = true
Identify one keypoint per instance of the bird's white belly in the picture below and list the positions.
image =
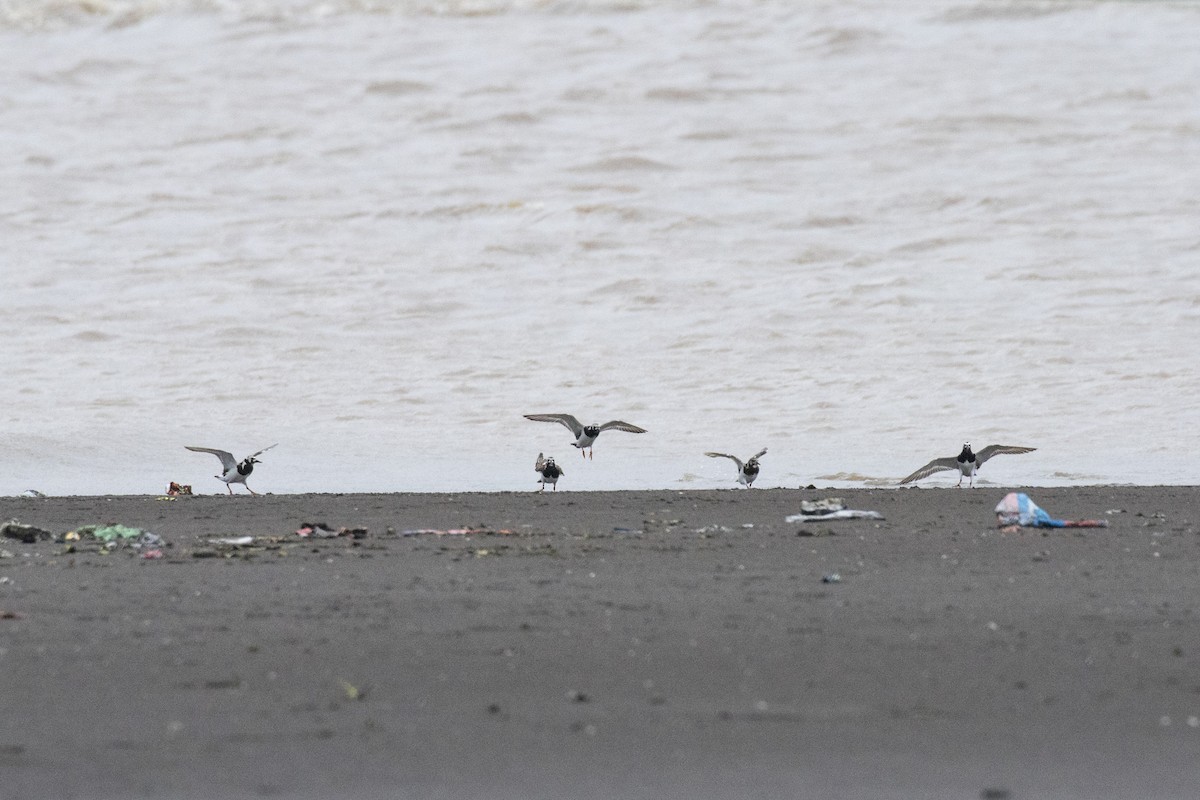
(584, 440)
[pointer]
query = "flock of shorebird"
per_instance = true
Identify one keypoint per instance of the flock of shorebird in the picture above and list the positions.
(966, 462)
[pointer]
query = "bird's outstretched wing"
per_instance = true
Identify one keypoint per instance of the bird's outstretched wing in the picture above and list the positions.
(759, 454)
(937, 465)
(617, 425)
(227, 459)
(265, 449)
(735, 459)
(1000, 450)
(566, 420)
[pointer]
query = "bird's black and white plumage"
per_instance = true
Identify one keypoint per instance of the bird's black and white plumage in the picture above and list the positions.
(748, 471)
(549, 471)
(233, 471)
(966, 462)
(585, 435)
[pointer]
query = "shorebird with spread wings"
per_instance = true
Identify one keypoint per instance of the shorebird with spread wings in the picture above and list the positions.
(231, 470)
(966, 462)
(585, 435)
(748, 471)
(549, 471)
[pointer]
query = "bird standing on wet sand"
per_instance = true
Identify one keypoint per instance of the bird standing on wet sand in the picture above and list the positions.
(746, 472)
(585, 435)
(231, 471)
(550, 472)
(966, 462)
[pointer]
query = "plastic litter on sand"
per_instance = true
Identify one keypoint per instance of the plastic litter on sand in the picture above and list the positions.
(1017, 510)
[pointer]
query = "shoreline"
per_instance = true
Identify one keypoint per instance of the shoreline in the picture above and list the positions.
(519, 492)
(1005, 488)
(634, 644)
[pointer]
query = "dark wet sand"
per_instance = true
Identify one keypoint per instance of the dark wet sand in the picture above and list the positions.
(617, 645)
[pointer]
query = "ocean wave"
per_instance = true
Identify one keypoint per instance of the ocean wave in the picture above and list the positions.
(58, 14)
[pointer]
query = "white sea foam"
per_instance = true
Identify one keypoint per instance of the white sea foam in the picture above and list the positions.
(379, 233)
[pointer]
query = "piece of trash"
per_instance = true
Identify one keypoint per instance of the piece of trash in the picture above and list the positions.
(830, 508)
(319, 530)
(1112, 511)
(821, 506)
(9, 615)
(110, 533)
(233, 541)
(28, 534)
(32, 493)
(845, 513)
(152, 554)
(832, 577)
(177, 489)
(111, 537)
(454, 531)
(352, 691)
(1017, 510)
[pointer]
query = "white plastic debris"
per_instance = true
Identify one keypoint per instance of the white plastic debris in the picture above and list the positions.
(845, 513)
(234, 541)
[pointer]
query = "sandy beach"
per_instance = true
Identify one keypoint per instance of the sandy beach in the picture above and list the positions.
(605, 645)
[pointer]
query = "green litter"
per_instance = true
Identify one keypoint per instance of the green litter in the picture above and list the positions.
(110, 533)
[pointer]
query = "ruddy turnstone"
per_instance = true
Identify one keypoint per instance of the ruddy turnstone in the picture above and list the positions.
(966, 462)
(550, 472)
(585, 435)
(746, 472)
(231, 471)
